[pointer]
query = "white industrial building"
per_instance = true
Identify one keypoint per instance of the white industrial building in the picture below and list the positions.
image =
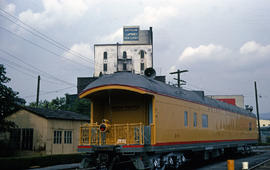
(135, 54)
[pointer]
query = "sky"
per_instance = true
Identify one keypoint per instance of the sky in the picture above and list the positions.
(224, 44)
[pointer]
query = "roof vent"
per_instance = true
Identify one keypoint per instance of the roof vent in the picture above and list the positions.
(249, 108)
(150, 72)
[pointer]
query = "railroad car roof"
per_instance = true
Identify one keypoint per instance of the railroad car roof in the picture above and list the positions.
(154, 86)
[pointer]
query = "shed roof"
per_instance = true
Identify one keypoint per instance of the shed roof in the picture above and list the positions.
(154, 86)
(57, 114)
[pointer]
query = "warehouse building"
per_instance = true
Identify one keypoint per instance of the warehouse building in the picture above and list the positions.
(135, 54)
(264, 123)
(46, 131)
(237, 100)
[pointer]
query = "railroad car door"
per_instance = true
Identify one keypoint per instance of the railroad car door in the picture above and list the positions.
(147, 128)
(150, 112)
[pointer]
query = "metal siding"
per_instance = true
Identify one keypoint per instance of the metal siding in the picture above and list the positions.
(170, 123)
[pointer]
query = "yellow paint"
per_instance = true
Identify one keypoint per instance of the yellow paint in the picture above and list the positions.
(125, 107)
(111, 87)
(222, 125)
(230, 164)
(92, 113)
(154, 120)
(119, 134)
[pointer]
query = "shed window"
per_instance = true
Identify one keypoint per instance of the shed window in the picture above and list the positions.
(57, 137)
(21, 138)
(195, 119)
(205, 121)
(124, 54)
(27, 138)
(105, 67)
(142, 53)
(186, 118)
(105, 55)
(68, 137)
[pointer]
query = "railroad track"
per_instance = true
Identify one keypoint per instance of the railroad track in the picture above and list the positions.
(265, 165)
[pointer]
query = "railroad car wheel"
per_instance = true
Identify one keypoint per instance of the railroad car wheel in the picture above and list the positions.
(85, 163)
(158, 164)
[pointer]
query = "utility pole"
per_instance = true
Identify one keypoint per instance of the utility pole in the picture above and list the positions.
(178, 72)
(38, 84)
(152, 44)
(117, 44)
(258, 116)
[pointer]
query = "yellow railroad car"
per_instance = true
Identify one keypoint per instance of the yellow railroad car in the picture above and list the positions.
(156, 125)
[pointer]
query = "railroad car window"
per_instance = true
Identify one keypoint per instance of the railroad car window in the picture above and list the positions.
(68, 137)
(186, 118)
(105, 55)
(105, 67)
(205, 121)
(57, 137)
(249, 126)
(195, 119)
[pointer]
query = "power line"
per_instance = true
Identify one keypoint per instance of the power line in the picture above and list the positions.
(46, 80)
(41, 35)
(15, 68)
(35, 68)
(46, 38)
(42, 93)
(49, 92)
(178, 72)
(35, 44)
(29, 72)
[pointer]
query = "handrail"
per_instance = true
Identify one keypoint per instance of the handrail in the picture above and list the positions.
(118, 134)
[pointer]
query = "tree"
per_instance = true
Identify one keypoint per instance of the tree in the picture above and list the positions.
(67, 103)
(9, 101)
(55, 104)
(80, 106)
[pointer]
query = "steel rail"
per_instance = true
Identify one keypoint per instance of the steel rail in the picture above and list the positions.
(259, 164)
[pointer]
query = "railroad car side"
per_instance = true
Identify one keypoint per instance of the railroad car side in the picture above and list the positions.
(185, 122)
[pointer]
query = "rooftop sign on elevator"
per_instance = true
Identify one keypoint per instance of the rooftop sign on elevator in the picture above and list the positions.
(131, 33)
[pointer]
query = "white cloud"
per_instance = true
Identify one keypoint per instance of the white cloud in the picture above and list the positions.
(253, 54)
(154, 16)
(203, 52)
(250, 57)
(10, 8)
(151, 16)
(114, 37)
(81, 53)
(252, 47)
(55, 11)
